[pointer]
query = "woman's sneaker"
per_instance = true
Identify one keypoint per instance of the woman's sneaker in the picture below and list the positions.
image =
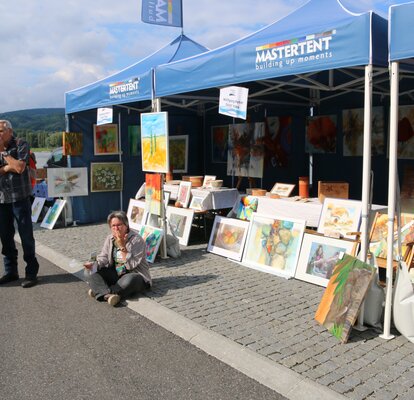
(112, 299)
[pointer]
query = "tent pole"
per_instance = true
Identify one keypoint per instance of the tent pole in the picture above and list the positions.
(120, 156)
(391, 195)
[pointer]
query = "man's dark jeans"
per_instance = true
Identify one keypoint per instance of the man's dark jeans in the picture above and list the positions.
(20, 211)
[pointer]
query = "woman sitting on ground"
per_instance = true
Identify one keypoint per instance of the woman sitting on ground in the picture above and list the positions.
(121, 267)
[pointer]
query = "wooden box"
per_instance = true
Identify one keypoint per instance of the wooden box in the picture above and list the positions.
(336, 190)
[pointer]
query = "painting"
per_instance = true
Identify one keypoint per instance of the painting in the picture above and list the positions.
(154, 142)
(64, 182)
(278, 141)
(207, 179)
(219, 142)
(72, 143)
(405, 145)
(137, 216)
(197, 203)
(245, 207)
(179, 153)
(353, 132)
(282, 189)
(105, 139)
(273, 244)
(152, 237)
(343, 296)
(246, 150)
(37, 207)
(228, 237)
(318, 257)
(184, 193)
(180, 221)
(106, 177)
(321, 134)
(340, 216)
(134, 140)
(153, 186)
(52, 214)
(407, 189)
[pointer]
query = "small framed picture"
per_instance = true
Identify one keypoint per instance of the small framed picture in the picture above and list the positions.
(207, 179)
(137, 216)
(37, 207)
(282, 189)
(184, 193)
(52, 215)
(152, 237)
(179, 222)
(197, 203)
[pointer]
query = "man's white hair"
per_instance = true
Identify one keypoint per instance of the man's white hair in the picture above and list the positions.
(7, 124)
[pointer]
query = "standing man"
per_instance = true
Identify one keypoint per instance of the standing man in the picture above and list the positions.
(15, 192)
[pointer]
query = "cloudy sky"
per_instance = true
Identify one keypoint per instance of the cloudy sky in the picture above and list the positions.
(49, 47)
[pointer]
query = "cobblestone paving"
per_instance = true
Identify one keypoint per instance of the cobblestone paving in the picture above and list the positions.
(267, 314)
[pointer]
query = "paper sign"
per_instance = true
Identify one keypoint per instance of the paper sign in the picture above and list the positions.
(104, 116)
(233, 101)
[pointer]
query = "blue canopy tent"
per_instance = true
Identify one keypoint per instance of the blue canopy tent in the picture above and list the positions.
(315, 54)
(130, 91)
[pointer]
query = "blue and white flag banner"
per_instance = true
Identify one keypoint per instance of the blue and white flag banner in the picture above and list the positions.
(162, 12)
(105, 115)
(233, 101)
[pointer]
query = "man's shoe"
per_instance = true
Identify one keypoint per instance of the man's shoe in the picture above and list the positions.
(91, 293)
(112, 299)
(8, 278)
(29, 282)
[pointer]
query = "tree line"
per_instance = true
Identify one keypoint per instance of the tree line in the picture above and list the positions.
(40, 139)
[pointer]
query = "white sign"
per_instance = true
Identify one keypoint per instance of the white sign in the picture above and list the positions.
(233, 101)
(105, 115)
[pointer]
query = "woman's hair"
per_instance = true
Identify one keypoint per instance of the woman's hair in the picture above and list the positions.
(120, 215)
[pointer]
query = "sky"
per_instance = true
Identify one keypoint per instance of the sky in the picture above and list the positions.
(49, 47)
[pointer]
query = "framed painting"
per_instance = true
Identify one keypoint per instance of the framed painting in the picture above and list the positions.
(179, 153)
(152, 237)
(245, 207)
(273, 244)
(137, 216)
(197, 203)
(207, 180)
(72, 143)
(405, 145)
(282, 189)
(278, 141)
(154, 142)
(37, 207)
(228, 237)
(184, 193)
(106, 177)
(321, 134)
(134, 140)
(343, 296)
(52, 214)
(64, 182)
(180, 221)
(340, 216)
(219, 143)
(318, 257)
(105, 139)
(153, 183)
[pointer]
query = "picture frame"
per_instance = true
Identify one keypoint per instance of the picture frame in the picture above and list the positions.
(106, 177)
(37, 207)
(137, 215)
(72, 143)
(178, 153)
(152, 237)
(184, 193)
(282, 189)
(319, 255)
(52, 214)
(340, 216)
(180, 221)
(153, 190)
(197, 203)
(228, 237)
(105, 139)
(67, 182)
(207, 179)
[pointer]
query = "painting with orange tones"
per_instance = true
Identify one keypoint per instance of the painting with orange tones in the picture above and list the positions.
(72, 143)
(245, 156)
(228, 237)
(342, 299)
(154, 142)
(153, 186)
(105, 139)
(321, 134)
(278, 141)
(219, 142)
(405, 144)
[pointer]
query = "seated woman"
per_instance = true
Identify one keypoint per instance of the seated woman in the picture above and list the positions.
(121, 267)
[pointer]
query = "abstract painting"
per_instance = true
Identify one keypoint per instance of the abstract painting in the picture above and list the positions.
(343, 296)
(134, 140)
(179, 153)
(105, 139)
(318, 257)
(405, 132)
(106, 177)
(152, 237)
(219, 142)
(180, 221)
(228, 237)
(282, 189)
(72, 143)
(137, 216)
(353, 131)
(321, 134)
(154, 142)
(273, 244)
(246, 150)
(245, 207)
(63, 182)
(52, 214)
(153, 183)
(37, 207)
(278, 141)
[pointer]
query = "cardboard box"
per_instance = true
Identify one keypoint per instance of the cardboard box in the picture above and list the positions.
(336, 190)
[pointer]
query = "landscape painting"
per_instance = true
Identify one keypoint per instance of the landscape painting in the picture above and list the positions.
(106, 177)
(65, 182)
(105, 139)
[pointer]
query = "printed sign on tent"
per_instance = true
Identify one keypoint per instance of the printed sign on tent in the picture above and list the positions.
(105, 115)
(158, 12)
(233, 101)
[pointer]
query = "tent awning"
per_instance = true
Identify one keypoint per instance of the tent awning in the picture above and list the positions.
(401, 18)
